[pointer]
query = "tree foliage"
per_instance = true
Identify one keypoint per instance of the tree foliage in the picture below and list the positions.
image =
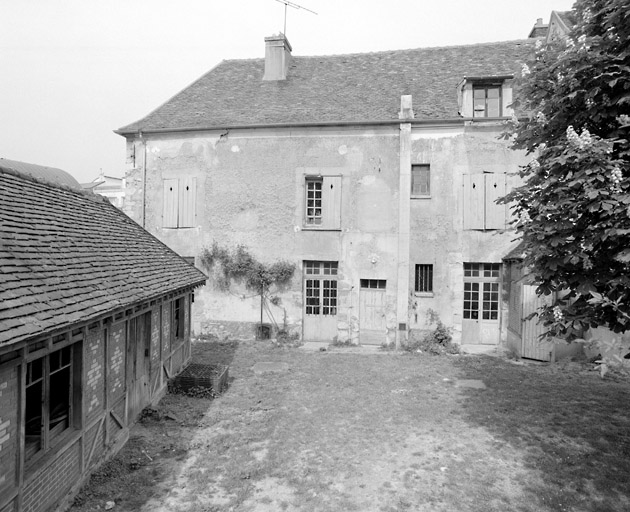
(573, 211)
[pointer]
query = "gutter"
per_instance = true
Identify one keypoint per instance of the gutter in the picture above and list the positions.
(392, 122)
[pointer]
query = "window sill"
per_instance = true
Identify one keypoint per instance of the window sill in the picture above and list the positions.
(424, 294)
(60, 444)
(420, 197)
(313, 228)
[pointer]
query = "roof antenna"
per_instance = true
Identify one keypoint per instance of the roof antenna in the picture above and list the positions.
(295, 6)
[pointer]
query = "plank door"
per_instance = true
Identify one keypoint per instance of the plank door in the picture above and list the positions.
(320, 300)
(532, 347)
(482, 292)
(138, 364)
(372, 321)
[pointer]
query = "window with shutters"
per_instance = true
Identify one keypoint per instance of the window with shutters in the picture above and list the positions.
(179, 203)
(420, 181)
(322, 202)
(481, 210)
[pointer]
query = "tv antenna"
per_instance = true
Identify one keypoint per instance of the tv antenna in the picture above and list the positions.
(295, 6)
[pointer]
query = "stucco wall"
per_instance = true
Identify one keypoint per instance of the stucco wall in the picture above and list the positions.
(438, 236)
(250, 191)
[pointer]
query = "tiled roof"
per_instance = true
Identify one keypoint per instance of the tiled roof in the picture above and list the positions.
(68, 256)
(50, 174)
(334, 89)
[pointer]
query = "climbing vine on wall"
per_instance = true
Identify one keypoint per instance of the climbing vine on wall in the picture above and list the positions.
(237, 265)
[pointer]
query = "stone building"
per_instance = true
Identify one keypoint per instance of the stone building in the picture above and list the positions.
(94, 318)
(376, 174)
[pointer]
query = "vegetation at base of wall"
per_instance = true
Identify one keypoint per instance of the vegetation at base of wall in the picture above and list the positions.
(573, 210)
(286, 338)
(437, 341)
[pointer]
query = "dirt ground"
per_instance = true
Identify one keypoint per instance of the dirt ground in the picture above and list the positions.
(344, 431)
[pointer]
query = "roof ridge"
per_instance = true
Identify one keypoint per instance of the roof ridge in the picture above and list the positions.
(400, 50)
(52, 184)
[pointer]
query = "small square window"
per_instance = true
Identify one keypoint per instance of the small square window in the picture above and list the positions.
(424, 278)
(420, 181)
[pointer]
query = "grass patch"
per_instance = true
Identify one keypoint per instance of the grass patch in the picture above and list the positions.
(385, 432)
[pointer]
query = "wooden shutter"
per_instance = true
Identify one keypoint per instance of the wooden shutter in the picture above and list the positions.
(331, 202)
(171, 199)
(495, 213)
(474, 192)
(187, 196)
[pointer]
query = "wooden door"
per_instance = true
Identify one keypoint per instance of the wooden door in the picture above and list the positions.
(320, 300)
(372, 321)
(138, 364)
(532, 347)
(482, 292)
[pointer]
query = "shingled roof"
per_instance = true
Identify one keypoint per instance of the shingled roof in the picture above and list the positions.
(50, 174)
(334, 89)
(68, 256)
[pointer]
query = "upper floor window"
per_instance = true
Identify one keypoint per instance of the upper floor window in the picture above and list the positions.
(487, 100)
(485, 96)
(481, 192)
(179, 203)
(322, 202)
(420, 181)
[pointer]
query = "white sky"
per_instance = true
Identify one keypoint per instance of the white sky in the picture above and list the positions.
(72, 71)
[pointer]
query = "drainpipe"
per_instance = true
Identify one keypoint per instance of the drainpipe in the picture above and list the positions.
(404, 212)
(144, 177)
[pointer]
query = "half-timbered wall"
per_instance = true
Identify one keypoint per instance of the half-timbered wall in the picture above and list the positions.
(40, 477)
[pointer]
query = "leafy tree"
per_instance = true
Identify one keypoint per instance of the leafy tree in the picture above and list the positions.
(240, 266)
(573, 211)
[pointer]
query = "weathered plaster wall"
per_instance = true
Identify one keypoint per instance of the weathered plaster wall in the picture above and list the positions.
(437, 230)
(250, 191)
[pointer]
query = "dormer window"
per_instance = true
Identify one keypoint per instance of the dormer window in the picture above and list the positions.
(487, 100)
(487, 97)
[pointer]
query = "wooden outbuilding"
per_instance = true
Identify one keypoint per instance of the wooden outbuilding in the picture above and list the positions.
(94, 320)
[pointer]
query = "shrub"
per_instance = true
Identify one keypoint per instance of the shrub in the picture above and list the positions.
(438, 341)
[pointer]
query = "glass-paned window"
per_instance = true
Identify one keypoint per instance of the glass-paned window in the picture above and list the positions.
(320, 286)
(487, 101)
(314, 201)
(471, 301)
(420, 180)
(49, 399)
(378, 284)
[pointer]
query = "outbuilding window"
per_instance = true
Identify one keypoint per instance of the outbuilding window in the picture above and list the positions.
(52, 398)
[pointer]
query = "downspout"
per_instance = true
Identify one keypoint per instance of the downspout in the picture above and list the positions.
(404, 212)
(144, 177)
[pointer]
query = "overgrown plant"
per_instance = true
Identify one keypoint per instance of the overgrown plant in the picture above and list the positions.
(437, 341)
(227, 265)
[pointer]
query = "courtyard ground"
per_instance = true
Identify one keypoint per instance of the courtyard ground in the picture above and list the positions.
(345, 431)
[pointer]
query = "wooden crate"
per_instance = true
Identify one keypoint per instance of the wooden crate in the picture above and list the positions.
(209, 376)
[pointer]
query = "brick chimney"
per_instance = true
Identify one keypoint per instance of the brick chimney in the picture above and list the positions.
(539, 29)
(277, 57)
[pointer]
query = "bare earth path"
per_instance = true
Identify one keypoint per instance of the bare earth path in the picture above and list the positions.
(342, 431)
